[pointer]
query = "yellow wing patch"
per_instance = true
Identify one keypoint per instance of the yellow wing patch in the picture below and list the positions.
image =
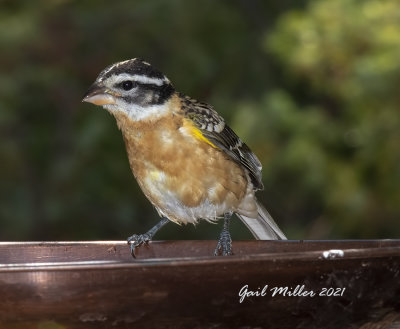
(195, 132)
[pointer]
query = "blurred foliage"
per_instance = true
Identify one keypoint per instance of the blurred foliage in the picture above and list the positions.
(343, 132)
(310, 86)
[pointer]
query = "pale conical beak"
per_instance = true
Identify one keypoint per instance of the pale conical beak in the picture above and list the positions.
(98, 95)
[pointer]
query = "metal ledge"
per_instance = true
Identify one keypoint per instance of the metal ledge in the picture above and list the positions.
(178, 284)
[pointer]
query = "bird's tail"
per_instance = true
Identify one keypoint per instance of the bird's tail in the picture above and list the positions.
(263, 227)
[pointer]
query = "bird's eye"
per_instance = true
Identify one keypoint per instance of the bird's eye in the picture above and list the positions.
(127, 85)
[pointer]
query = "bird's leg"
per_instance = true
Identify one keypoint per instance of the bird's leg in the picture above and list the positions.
(138, 239)
(224, 245)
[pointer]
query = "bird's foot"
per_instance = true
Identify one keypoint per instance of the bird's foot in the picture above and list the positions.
(224, 245)
(137, 240)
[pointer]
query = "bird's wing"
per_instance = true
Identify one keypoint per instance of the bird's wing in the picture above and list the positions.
(214, 129)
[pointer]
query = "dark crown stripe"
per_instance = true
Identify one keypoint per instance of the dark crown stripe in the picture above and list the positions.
(133, 66)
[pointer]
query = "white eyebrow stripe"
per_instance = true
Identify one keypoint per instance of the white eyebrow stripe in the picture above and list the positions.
(113, 66)
(140, 79)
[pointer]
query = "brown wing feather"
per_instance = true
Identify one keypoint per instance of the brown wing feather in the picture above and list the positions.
(214, 128)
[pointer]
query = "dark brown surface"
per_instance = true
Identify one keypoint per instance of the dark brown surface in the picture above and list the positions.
(177, 284)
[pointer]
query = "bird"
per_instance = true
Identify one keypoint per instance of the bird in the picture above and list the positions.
(187, 161)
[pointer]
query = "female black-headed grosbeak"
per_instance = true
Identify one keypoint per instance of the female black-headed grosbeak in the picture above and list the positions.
(186, 159)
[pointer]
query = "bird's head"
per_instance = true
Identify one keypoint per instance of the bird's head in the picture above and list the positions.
(133, 87)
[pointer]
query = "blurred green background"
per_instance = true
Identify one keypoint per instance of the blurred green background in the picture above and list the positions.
(311, 86)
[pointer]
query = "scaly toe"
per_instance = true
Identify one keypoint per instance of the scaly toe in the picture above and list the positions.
(224, 245)
(217, 248)
(138, 239)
